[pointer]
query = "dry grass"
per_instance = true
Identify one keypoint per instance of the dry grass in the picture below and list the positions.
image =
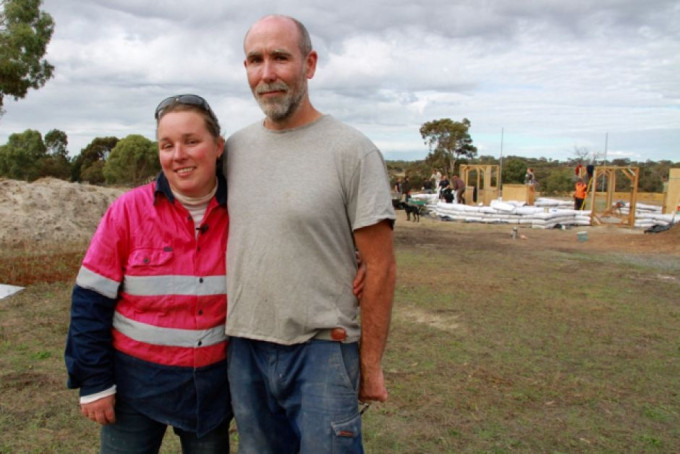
(543, 345)
(25, 265)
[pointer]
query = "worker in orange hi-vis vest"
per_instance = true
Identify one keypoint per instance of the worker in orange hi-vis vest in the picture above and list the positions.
(579, 194)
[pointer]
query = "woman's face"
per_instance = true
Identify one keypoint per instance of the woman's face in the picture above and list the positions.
(188, 152)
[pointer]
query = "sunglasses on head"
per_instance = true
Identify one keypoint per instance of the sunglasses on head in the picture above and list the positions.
(189, 100)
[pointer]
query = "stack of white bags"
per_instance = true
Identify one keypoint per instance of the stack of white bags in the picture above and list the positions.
(648, 215)
(545, 214)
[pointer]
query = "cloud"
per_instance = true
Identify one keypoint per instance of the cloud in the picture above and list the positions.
(551, 74)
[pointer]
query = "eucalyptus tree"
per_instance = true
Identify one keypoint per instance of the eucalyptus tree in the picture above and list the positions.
(448, 140)
(25, 31)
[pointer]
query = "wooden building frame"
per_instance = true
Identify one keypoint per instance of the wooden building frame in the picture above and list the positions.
(486, 190)
(606, 176)
(671, 196)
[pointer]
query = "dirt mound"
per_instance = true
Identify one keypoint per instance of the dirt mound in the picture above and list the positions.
(49, 211)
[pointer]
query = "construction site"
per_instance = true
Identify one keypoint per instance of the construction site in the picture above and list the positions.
(537, 342)
(521, 204)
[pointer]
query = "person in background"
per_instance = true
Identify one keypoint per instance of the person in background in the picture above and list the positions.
(406, 189)
(529, 177)
(399, 187)
(590, 171)
(296, 367)
(578, 170)
(146, 342)
(579, 194)
(435, 178)
(447, 194)
(458, 187)
(443, 184)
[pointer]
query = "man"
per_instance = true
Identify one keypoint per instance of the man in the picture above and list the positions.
(406, 189)
(296, 369)
(399, 187)
(458, 186)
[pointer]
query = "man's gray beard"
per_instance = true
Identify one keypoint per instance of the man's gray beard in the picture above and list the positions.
(278, 111)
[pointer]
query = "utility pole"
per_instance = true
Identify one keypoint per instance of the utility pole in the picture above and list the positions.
(500, 173)
(604, 161)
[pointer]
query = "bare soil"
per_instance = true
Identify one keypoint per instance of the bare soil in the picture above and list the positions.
(51, 211)
(433, 232)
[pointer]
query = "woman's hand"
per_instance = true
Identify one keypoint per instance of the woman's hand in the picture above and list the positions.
(100, 411)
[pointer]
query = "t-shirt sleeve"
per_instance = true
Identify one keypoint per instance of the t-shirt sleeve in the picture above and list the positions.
(371, 201)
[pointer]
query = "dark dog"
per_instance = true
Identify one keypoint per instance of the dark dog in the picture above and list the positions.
(411, 209)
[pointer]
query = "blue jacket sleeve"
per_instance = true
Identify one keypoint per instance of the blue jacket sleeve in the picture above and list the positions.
(89, 346)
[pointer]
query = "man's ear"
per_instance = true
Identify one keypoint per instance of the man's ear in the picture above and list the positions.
(310, 63)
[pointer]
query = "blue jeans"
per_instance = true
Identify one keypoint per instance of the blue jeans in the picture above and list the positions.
(134, 433)
(290, 399)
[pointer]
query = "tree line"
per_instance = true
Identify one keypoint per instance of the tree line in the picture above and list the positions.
(133, 160)
(130, 161)
(451, 146)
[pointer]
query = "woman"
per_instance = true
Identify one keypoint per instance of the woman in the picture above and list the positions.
(146, 344)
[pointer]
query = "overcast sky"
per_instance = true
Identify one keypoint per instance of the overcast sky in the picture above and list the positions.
(536, 78)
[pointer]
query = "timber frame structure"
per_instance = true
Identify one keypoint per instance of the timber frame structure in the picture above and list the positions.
(612, 210)
(486, 190)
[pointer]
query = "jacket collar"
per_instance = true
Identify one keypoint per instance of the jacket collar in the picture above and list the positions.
(163, 187)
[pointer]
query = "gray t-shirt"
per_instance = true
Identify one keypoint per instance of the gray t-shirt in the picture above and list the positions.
(295, 197)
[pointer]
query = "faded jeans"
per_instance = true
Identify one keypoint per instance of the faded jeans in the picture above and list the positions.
(134, 433)
(300, 398)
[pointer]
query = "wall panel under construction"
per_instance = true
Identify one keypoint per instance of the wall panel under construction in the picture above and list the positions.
(672, 195)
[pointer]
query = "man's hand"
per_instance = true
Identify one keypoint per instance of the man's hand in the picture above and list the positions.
(100, 411)
(375, 245)
(372, 386)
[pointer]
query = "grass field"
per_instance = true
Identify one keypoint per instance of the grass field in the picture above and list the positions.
(539, 345)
